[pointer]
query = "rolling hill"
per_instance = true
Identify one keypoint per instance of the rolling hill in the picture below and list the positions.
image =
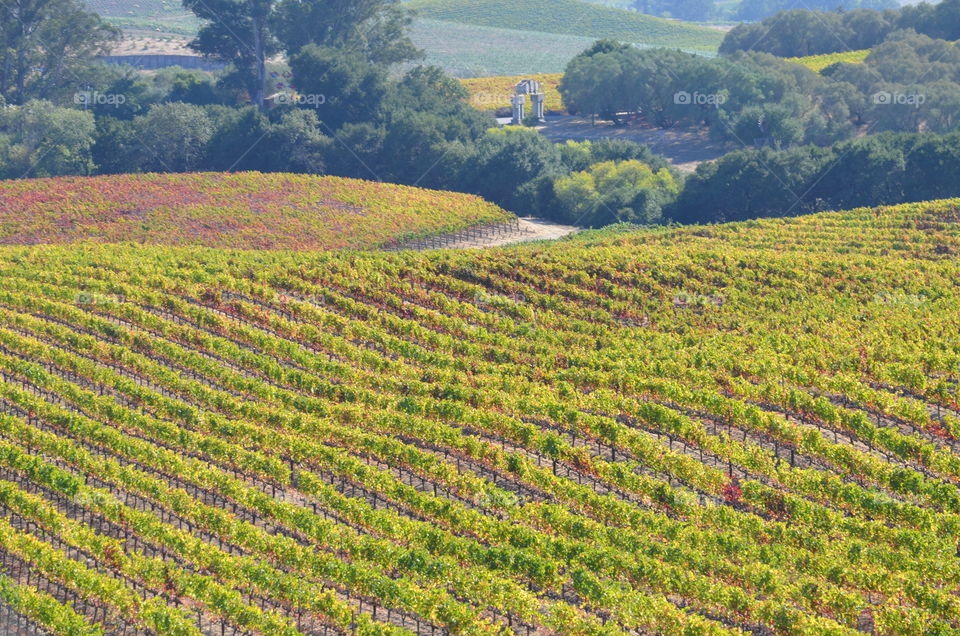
(154, 16)
(466, 44)
(138, 8)
(468, 50)
(571, 17)
(733, 429)
(240, 211)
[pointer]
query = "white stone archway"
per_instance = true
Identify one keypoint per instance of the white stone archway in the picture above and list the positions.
(534, 89)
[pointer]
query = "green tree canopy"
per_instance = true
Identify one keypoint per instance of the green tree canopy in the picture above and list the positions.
(246, 33)
(45, 45)
(509, 164)
(174, 137)
(374, 29)
(615, 191)
(39, 139)
(345, 87)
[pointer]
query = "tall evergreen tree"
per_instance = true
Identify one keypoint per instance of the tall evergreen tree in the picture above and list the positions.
(374, 29)
(238, 32)
(246, 33)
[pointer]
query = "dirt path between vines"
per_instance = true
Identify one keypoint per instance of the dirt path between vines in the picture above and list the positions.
(525, 230)
(529, 229)
(685, 149)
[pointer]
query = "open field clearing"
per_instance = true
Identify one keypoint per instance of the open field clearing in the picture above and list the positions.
(143, 44)
(685, 149)
(464, 45)
(571, 17)
(463, 50)
(147, 16)
(467, 50)
(137, 8)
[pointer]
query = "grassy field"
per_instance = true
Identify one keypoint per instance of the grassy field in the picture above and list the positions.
(139, 43)
(491, 93)
(819, 62)
(571, 17)
(242, 211)
(463, 50)
(137, 8)
(733, 429)
(154, 16)
(466, 50)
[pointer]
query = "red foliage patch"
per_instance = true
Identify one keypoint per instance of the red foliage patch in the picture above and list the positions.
(241, 211)
(732, 493)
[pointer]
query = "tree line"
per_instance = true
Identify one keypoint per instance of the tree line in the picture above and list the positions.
(357, 112)
(801, 32)
(909, 83)
(746, 10)
(882, 169)
(809, 141)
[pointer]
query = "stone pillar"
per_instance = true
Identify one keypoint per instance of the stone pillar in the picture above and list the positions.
(519, 104)
(539, 99)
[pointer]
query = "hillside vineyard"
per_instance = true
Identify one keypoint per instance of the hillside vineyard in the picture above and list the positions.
(732, 429)
(248, 210)
(571, 17)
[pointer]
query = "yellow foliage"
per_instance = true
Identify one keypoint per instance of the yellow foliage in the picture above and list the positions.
(491, 93)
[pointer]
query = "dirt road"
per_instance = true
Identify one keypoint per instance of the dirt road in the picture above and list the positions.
(526, 230)
(685, 149)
